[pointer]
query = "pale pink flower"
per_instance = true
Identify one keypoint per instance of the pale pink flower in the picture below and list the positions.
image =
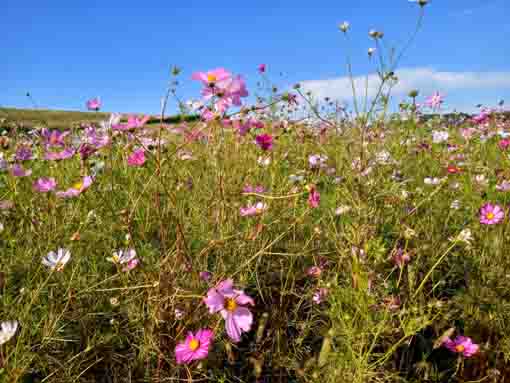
(251, 210)
(319, 295)
(44, 184)
(230, 303)
(77, 188)
(212, 77)
(133, 122)
(434, 101)
(62, 155)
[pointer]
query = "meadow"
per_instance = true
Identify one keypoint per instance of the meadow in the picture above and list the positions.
(243, 244)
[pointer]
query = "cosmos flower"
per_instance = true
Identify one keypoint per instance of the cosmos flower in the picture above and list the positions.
(94, 104)
(57, 261)
(212, 77)
(195, 347)
(62, 155)
(319, 295)
(133, 122)
(23, 153)
(314, 271)
(52, 138)
(317, 160)
(503, 186)
(137, 158)
(8, 330)
(434, 101)
(205, 276)
(230, 303)
(314, 198)
(262, 68)
(491, 214)
(44, 184)
(18, 171)
(264, 141)
(77, 188)
(251, 210)
(254, 189)
(439, 136)
(400, 258)
(126, 258)
(462, 345)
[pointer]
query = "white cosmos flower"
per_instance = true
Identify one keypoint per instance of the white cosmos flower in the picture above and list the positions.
(439, 136)
(7, 331)
(122, 256)
(57, 261)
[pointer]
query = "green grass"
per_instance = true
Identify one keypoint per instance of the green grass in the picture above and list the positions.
(92, 321)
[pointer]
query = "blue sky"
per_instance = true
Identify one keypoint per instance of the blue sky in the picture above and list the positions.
(64, 52)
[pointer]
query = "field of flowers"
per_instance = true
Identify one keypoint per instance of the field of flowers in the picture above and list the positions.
(253, 246)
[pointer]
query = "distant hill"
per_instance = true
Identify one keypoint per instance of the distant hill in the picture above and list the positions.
(60, 119)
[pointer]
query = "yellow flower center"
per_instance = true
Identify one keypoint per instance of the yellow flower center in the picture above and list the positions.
(211, 77)
(490, 215)
(194, 345)
(115, 258)
(231, 304)
(78, 185)
(459, 348)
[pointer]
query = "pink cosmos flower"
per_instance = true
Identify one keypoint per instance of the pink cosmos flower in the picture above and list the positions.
(133, 122)
(314, 198)
(44, 184)
(317, 161)
(503, 186)
(53, 138)
(126, 258)
(230, 303)
(252, 210)
(319, 295)
(264, 141)
(205, 276)
(400, 258)
(23, 153)
(94, 104)
(504, 144)
(210, 78)
(482, 117)
(77, 188)
(434, 101)
(262, 68)
(18, 171)
(137, 158)
(491, 214)
(314, 271)
(195, 347)
(254, 189)
(62, 155)
(462, 345)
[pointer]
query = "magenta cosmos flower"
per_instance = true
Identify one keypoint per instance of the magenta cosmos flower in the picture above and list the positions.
(44, 184)
(195, 347)
(462, 345)
(77, 188)
(262, 68)
(230, 303)
(94, 104)
(491, 214)
(314, 198)
(264, 141)
(137, 158)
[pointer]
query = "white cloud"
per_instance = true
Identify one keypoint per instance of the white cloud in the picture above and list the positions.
(426, 80)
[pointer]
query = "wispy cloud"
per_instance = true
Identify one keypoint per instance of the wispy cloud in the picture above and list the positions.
(426, 80)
